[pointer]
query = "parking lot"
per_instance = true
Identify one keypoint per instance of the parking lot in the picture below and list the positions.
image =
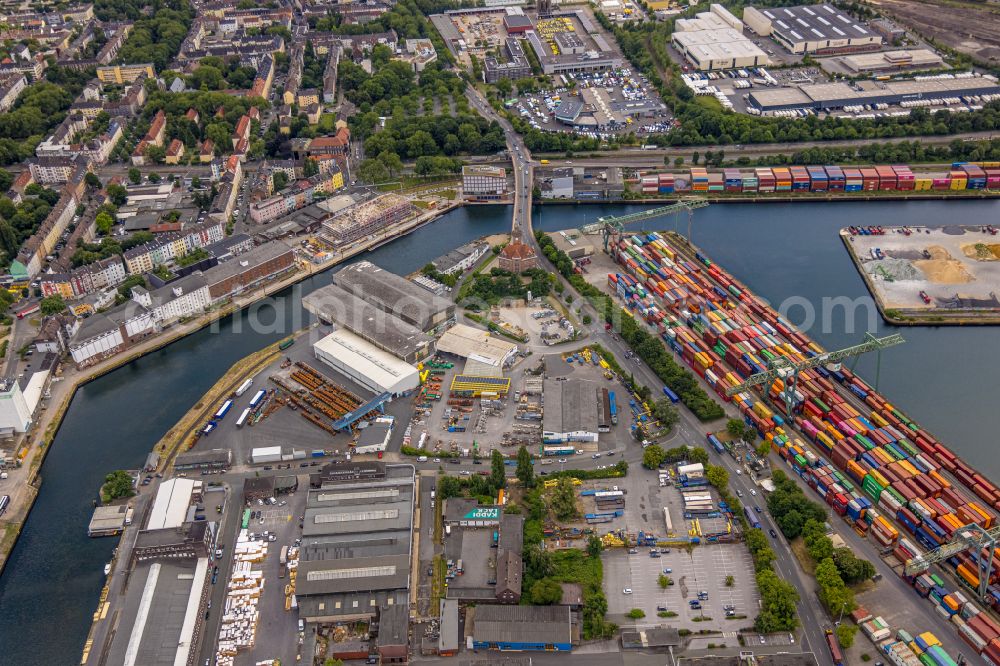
(625, 89)
(704, 569)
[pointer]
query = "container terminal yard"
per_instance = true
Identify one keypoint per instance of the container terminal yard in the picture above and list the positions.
(960, 177)
(918, 502)
(921, 275)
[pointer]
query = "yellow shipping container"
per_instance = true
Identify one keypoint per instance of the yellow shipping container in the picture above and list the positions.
(908, 466)
(958, 184)
(878, 420)
(889, 528)
(878, 476)
(923, 183)
(930, 638)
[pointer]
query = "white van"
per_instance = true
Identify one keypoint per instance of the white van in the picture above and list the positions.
(422, 459)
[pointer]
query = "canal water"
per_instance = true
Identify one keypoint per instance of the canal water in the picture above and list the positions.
(945, 377)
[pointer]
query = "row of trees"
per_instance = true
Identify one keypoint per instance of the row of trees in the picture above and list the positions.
(655, 455)
(157, 38)
(703, 121)
(649, 348)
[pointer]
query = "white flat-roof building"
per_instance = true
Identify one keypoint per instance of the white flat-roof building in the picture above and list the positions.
(477, 345)
(15, 415)
(811, 29)
(366, 364)
(170, 507)
(715, 40)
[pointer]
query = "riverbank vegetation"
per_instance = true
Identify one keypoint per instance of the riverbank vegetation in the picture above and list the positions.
(117, 484)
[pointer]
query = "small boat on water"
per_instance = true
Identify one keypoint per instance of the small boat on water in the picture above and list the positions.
(107, 568)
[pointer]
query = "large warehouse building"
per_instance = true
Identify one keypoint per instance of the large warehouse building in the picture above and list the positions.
(396, 295)
(812, 29)
(364, 363)
(714, 40)
(385, 331)
(834, 96)
(356, 543)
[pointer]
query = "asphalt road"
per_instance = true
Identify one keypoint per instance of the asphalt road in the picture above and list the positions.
(689, 430)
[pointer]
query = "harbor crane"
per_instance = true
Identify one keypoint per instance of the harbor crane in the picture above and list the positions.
(788, 371)
(613, 227)
(970, 537)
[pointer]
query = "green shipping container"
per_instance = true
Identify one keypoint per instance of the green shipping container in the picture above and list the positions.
(848, 486)
(822, 405)
(894, 453)
(895, 493)
(865, 442)
(906, 446)
(800, 460)
(871, 487)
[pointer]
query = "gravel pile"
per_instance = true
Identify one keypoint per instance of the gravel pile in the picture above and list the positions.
(897, 269)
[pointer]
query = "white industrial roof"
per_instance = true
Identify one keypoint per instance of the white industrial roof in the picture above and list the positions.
(366, 359)
(475, 344)
(173, 498)
(266, 451)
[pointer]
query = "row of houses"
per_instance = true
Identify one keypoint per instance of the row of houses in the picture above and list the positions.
(103, 335)
(298, 195)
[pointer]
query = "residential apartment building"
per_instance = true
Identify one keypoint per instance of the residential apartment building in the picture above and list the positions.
(146, 257)
(185, 297)
(119, 74)
(296, 196)
(103, 335)
(248, 270)
(10, 89)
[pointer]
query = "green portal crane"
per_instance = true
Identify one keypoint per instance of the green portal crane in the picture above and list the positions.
(614, 226)
(788, 371)
(970, 537)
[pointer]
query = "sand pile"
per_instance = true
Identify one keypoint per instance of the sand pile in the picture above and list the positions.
(982, 251)
(942, 268)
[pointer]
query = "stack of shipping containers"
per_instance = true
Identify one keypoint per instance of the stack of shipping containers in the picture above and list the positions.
(887, 476)
(900, 178)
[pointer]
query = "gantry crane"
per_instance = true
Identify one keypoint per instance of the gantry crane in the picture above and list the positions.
(613, 227)
(970, 537)
(788, 371)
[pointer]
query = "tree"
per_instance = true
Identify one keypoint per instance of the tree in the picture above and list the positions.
(134, 176)
(845, 634)
(636, 614)
(330, 661)
(310, 167)
(852, 569)
(104, 223)
(372, 171)
(390, 161)
(594, 546)
(679, 162)
(117, 484)
(51, 305)
(730, 581)
(154, 177)
(92, 181)
(498, 478)
(735, 428)
(665, 412)
(664, 581)
(587, 320)
(525, 470)
(546, 592)
(717, 476)
(778, 599)
(117, 194)
(653, 456)
(449, 486)
(280, 179)
(564, 500)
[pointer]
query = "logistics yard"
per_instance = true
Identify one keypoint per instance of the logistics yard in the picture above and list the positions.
(946, 273)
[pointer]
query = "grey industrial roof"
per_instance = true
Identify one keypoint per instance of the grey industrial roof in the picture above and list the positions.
(349, 603)
(393, 625)
(392, 293)
(186, 284)
(522, 624)
(366, 574)
(838, 94)
(356, 519)
(448, 636)
(100, 323)
(814, 22)
(518, 21)
(569, 110)
(349, 546)
(512, 533)
(164, 618)
(447, 261)
(255, 257)
(337, 305)
(373, 434)
(223, 246)
(390, 491)
(570, 405)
